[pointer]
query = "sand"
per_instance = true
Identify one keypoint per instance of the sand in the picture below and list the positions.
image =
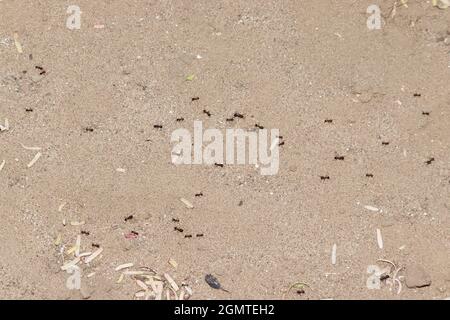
(85, 103)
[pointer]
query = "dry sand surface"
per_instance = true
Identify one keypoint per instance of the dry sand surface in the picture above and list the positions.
(89, 98)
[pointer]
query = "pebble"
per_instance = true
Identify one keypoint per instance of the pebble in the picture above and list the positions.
(416, 277)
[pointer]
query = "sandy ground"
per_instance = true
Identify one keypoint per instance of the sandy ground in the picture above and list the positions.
(289, 65)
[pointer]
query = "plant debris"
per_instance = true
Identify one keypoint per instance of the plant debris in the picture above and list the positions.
(379, 239)
(187, 203)
(34, 160)
(124, 266)
(17, 43)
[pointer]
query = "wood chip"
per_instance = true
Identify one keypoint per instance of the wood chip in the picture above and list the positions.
(58, 240)
(187, 203)
(333, 254)
(379, 239)
(17, 43)
(2, 165)
(36, 158)
(171, 282)
(173, 263)
(90, 275)
(94, 255)
(124, 266)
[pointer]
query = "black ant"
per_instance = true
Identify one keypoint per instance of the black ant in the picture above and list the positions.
(157, 126)
(219, 165)
(128, 218)
(180, 119)
(430, 161)
(259, 126)
(369, 175)
(178, 229)
(324, 177)
(195, 99)
(175, 220)
(85, 232)
(339, 158)
(207, 112)
(328, 121)
(238, 115)
(199, 194)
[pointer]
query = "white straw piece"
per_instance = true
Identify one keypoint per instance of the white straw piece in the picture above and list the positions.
(379, 239)
(333, 254)
(93, 256)
(36, 158)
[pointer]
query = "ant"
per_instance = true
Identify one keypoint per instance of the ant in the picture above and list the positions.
(207, 112)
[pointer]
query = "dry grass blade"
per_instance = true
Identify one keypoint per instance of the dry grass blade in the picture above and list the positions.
(94, 255)
(124, 266)
(33, 161)
(187, 203)
(171, 282)
(17, 43)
